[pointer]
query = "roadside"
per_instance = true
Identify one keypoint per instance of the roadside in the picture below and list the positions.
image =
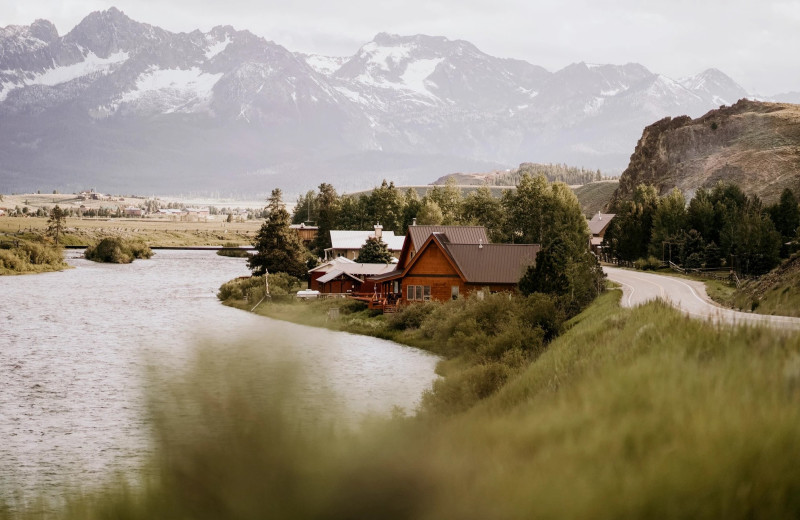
(689, 296)
(776, 293)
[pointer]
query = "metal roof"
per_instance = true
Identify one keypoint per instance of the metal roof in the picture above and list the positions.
(331, 264)
(599, 222)
(492, 263)
(454, 234)
(356, 239)
(354, 270)
(335, 274)
(481, 263)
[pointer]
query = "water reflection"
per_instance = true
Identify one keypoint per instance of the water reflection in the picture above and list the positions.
(75, 345)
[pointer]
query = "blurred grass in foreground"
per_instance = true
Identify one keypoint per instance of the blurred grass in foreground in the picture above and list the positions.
(630, 414)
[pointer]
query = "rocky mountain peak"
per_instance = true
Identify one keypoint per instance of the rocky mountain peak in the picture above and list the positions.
(44, 30)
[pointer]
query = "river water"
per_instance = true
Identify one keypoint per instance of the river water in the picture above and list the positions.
(75, 347)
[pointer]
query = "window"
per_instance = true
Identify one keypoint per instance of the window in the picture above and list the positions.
(454, 292)
(418, 293)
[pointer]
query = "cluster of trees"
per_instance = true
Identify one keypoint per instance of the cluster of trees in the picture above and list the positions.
(507, 219)
(68, 212)
(552, 172)
(720, 227)
(537, 212)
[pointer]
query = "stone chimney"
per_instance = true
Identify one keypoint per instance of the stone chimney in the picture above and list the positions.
(414, 221)
(378, 231)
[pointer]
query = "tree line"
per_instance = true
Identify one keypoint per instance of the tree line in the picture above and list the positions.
(537, 212)
(720, 227)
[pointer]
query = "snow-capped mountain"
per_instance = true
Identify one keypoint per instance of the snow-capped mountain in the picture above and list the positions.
(131, 107)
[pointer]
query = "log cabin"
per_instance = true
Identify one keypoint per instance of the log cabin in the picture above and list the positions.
(444, 262)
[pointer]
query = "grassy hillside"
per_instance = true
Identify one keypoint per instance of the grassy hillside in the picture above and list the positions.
(638, 413)
(777, 292)
(595, 196)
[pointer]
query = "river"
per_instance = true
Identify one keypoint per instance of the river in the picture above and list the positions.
(75, 347)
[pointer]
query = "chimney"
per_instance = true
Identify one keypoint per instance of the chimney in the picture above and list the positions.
(378, 231)
(414, 221)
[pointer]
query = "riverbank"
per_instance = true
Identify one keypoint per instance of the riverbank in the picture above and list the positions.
(630, 413)
(156, 233)
(28, 257)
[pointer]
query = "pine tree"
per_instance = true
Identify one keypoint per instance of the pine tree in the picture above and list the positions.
(56, 222)
(279, 248)
(374, 251)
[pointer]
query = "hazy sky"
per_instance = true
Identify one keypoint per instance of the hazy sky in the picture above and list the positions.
(756, 42)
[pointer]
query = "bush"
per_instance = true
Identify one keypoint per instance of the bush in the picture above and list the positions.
(251, 289)
(234, 251)
(115, 250)
(410, 316)
(30, 257)
(650, 264)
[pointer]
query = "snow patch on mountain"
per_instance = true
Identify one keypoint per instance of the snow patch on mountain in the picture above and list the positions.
(218, 47)
(415, 77)
(179, 84)
(384, 57)
(326, 65)
(91, 64)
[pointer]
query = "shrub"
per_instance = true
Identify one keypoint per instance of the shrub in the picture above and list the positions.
(650, 264)
(233, 251)
(251, 289)
(410, 316)
(115, 250)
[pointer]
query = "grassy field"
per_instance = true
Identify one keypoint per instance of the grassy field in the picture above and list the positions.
(594, 196)
(639, 413)
(154, 232)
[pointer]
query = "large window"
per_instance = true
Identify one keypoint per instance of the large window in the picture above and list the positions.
(418, 293)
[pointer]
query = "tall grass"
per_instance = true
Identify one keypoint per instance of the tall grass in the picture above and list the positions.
(30, 257)
(638, 413)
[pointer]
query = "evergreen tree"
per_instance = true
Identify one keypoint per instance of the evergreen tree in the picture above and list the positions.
(278, 248)
(786, 215)
(327, 208)
(305, 210)
(56, 222)
(374, 251)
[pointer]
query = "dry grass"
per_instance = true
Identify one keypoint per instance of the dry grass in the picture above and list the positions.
(154, 232)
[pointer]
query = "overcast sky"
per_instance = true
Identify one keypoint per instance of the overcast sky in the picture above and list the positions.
(756, 42)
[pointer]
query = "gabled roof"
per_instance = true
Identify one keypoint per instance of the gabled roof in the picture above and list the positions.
(453, 234)
(356, 239)
(599, 222)
(331, 264)
(332, 275)
(492, 263)
(476, 262)
(354, 270)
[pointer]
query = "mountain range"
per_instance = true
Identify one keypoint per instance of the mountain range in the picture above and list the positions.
(128, 107)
